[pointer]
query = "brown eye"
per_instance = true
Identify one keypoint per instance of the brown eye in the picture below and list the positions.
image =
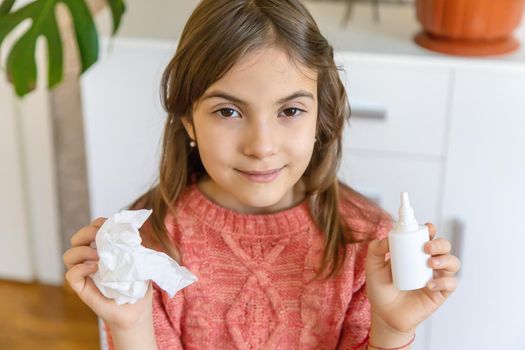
(292, 112)
(226, 112)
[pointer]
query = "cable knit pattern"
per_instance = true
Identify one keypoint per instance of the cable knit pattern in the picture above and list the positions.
(255, 289)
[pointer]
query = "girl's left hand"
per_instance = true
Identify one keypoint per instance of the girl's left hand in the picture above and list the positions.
(403, 311)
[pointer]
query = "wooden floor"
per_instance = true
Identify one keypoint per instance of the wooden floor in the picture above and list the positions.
(34, 316)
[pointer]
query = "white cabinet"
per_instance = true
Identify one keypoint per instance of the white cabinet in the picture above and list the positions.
(466, 175)
(396, 138)
(485, 192)
(397, 106)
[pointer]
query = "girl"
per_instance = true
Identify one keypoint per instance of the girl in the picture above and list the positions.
(248, 200)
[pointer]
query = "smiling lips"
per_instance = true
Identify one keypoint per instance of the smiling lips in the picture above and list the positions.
(261, 176)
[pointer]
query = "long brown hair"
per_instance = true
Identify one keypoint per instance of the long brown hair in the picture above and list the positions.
(216, 36)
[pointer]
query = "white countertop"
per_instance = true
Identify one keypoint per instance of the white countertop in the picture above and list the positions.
(392, 37)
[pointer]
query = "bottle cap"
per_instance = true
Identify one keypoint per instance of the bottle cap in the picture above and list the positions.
(407, 221)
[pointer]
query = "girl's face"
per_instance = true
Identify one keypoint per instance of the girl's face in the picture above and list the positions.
(261, 116)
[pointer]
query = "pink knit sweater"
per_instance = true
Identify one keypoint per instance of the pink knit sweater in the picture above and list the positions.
(253, 290)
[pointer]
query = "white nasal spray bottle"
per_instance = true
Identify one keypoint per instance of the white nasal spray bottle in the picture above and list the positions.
(406, 240)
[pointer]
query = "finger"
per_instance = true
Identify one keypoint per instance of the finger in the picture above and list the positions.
(438, 246)
(78, 255)
(98, 221)
(445, 264)
(431, 230)
(377, 250)
(94, 298)
(87, 234)
(89, 293)
(443, 284)
(76, 276)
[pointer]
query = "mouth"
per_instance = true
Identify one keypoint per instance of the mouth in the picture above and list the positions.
(262, 176)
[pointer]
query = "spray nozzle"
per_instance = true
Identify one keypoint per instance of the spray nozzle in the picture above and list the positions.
(407, 221)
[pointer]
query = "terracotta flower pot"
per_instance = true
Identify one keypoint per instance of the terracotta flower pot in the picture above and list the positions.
(469, 27)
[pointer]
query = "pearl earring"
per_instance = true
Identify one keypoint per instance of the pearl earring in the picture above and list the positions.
(192, 143)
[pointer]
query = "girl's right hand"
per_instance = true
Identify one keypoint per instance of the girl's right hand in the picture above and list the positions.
(82, 261)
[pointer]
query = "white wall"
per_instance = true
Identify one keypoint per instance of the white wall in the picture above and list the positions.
(123, 122)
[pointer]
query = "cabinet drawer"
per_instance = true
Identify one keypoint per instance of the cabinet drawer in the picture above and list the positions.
(383, 178)
(396, 106)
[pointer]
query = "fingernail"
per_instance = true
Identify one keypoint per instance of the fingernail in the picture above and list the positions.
(437, 262)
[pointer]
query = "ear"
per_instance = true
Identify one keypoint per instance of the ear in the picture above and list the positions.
(189, 127)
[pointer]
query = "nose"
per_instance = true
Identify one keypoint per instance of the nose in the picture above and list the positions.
(260, 140)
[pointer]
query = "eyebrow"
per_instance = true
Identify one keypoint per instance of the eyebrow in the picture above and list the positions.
(224, 95)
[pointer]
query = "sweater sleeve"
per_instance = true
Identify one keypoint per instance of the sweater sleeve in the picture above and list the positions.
(166, 320)
(356, 324)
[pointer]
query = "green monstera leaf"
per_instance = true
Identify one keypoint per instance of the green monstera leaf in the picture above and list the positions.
(21, 63)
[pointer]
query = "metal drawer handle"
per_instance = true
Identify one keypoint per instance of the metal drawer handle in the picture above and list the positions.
(367, 111)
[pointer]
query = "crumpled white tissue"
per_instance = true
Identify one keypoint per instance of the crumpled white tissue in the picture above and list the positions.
(125, 266)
